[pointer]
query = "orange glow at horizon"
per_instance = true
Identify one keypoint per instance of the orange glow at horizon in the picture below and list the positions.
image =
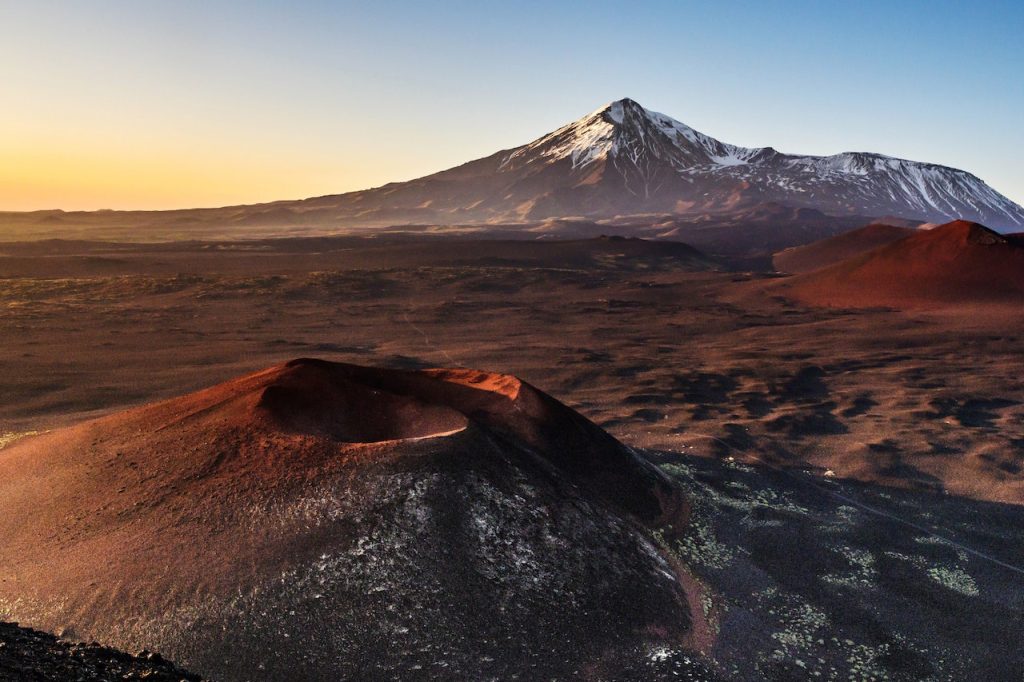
(146, 179)
(162, 105)
(103, 158)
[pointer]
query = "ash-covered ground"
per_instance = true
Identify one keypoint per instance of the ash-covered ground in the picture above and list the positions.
(818, 578)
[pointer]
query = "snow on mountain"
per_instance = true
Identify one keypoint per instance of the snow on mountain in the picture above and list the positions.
(669, 164)
(626, 164)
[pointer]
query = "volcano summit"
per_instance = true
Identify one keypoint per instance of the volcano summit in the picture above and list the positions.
(624, 159)
(621, 163)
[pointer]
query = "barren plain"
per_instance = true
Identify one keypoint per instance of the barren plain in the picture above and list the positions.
(856, 474)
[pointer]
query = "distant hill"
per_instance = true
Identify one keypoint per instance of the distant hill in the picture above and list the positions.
(958, 262)
(834, 249)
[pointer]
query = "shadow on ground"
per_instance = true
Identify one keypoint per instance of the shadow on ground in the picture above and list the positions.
(824, 579)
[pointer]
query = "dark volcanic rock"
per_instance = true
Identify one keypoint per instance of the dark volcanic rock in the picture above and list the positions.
(28, 655)
(823, 578)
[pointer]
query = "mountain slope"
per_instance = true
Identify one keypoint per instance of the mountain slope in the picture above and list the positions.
(624, 159)
(959, 262)
(620, 160)
(323, 521)
(834, 249)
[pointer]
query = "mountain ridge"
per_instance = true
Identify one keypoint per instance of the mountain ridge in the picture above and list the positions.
(620, 160)
(625, 159)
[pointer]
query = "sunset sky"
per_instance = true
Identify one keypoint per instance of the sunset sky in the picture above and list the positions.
(181, 104)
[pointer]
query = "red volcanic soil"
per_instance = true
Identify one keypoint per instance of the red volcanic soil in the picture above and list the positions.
(959, 262)
(835, 249)
(322, 521)
(356, 404)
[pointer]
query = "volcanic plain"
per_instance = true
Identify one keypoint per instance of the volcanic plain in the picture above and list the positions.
(651, 340)
(887, 444)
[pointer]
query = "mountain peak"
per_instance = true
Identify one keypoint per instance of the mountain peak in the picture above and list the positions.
(618, 109)
(966, 232)
(624, 158)
(625, 102)
(649, 148)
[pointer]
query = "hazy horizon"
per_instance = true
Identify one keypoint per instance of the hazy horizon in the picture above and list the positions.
(160, 107)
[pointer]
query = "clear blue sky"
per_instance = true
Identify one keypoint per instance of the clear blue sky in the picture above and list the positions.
(164, 104)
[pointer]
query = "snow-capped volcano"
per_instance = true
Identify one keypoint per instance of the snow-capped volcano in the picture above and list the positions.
(627, 132)
(661, 164)
(626, 164)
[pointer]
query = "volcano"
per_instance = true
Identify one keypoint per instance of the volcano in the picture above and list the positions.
(625, 159)
(959, 262)
(618, 163)
(324, 521)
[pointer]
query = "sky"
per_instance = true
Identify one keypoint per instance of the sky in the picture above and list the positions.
(150, 104)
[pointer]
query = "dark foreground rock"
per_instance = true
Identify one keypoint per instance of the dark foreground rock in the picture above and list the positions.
(30, 655)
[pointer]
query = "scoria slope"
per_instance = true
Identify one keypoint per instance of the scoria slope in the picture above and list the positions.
(956, 263)
(825, 252)
(323, 521)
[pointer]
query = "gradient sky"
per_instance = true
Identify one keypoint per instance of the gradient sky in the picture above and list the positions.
(176, 104)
